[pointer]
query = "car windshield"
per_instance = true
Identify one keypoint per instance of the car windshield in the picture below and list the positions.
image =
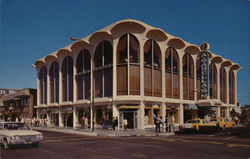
(16, 126)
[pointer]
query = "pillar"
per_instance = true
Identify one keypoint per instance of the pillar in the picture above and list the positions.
(140, 116)
(218, 112)
(75, 117)
(181, 75)
(60, 119)
(227, 86)
(218, 81)
(195, 79)
(115, 111)
(48, 119)
(181, 114)
(163, 114)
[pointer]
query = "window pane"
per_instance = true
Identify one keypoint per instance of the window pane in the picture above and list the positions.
(98, 84)
(108, 82)
(157, 83)
(122, 50)
(134, 79)
(147, 81)
(122, 84)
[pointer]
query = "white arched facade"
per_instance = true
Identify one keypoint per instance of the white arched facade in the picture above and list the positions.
(130, 70)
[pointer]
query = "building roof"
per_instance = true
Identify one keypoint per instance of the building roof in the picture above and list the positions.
(140, 27)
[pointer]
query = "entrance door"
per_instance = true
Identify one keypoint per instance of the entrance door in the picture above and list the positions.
(131, 117)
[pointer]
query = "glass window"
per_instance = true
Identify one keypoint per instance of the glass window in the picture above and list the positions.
(54, 82)
(223, 84)
(43, 85)
(127, 65)
(67, 81)
(188, 77)
(103, 69)
(83, 65)
(152, 69)
(172, 73)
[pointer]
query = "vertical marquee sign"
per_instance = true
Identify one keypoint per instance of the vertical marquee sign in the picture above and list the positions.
(204, 63)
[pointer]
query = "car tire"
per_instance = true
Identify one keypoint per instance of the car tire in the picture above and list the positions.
(35, 144)
(6, 145)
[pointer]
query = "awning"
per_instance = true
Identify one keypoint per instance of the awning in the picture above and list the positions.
(190, 106)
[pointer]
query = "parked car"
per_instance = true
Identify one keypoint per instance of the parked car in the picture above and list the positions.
(15, 133)
(223, 123)
(198, 124)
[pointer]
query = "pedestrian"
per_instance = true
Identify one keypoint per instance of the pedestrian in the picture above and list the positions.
(157, 124)
(104, 122)
(125, 123)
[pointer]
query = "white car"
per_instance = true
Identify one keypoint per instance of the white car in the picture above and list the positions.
(15, 133)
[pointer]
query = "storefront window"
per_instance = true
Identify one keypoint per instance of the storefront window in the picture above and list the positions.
(152, 69)
(188, 77)
(67, 80)
(83, 75)
(172, 73)
(103, 69)
(43, 85)
(54, 82)
(123, 63)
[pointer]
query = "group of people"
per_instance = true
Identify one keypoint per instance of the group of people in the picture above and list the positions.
(161, 125)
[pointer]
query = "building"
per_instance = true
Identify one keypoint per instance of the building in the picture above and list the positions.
(4, 91)
(135, 71)
(19, 104)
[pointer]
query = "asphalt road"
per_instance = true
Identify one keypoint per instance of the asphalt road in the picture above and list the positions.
(67, 146)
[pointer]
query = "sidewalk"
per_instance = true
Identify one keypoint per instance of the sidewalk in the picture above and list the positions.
(98, 132)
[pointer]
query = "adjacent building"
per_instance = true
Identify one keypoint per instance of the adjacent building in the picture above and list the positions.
(19, 104)
(135, 71)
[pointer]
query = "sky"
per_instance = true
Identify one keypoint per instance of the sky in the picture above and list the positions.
(31, 29)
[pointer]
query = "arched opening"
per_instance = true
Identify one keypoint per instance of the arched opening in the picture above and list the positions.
(43, 85)
(213, 81)
(172, 73)
(83, 75)
(67, 78)
(152, 69)
(231, 87)
(188, 77)
(223, 84)
(103, 69)
(54, 82)
(128, 66)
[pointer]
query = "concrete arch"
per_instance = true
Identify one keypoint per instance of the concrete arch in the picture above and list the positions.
(39, 63)
(235, 67)
(226, 63)
(217, 59)
(176, 43)
(193, 50)
(157, 35)
(127, 26)
(99, 36)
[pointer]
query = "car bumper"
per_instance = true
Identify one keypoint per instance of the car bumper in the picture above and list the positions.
(19, 142)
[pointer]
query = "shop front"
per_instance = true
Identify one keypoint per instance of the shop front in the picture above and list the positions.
(54, 116)
(67, 116)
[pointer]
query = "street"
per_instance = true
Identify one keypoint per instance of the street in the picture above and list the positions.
(67, 146)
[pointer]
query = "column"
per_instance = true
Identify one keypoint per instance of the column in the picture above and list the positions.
(227, 88)
(218, 81)
(74, 83)
(235, 87)
(60, 85)
(163, 114)
(38, 89)
(181, 114)
(60, 118)
(141, 68)
(115, 111)
(115, 42)
(140, 116)
(48, 119)
(48, 87)
(181, 75)
(163, 75)
(75, 117)
(218, 112)
(92, 96)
